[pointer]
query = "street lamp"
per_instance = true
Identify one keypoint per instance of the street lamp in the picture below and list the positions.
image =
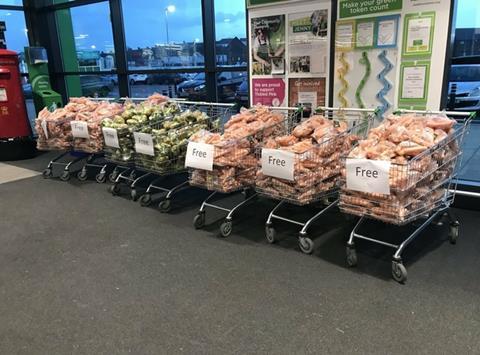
(171, 9)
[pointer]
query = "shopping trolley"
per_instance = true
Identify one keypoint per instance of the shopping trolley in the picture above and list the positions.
(234, 165)
(120, 141)
(55, 134)
(421, 191)
(166, 158)
(311, 171)
(88, 137)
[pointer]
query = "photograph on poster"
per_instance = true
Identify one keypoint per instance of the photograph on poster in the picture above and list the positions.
(268, 45)
(307, 34)
(300, 64)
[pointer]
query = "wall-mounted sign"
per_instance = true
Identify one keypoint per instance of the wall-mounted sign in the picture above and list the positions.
(269, 92)
(418, 34)
(351, 8)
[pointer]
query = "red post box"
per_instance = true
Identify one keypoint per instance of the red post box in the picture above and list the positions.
(15, 131)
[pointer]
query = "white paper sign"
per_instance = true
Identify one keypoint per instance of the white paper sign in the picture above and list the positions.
(414, 79)
(308, 97)
(386, 33)
(278, 163)
(368, 176)
(79, 129)
(365, 34)
(199, 156)
(111, 137)
(143, 143)
(45, 128)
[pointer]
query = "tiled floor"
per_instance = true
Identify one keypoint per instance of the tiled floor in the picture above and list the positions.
(9, 173)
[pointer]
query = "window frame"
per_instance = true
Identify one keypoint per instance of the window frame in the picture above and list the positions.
(48, 10)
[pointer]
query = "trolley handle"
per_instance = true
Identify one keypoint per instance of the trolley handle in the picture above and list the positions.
(465, 117)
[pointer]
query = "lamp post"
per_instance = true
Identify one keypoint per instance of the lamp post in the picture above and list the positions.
(168, 9)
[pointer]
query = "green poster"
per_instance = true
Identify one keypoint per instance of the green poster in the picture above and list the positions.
(414, 79)
(350, 8)
(418, 34)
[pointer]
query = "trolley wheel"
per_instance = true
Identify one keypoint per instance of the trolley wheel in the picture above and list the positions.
(101, 178)
(226, 229)
(399, 272)
(47, 173)
(82, 175)
(306, 245)
(113, 176)
(115, 189)
(199, 220)
(134, 195)
(165, 206)
(65, 176)
(351, 256)
(145, 200)
(270, 234)
(453, 233)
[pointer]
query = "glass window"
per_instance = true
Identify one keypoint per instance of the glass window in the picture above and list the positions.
(233, 87)
(464, 81)
(168, 84)
(93, 85)
(163, 34)
(86, 38)
(230, 31)
(28, 96)
(12, 2)
(16, 34)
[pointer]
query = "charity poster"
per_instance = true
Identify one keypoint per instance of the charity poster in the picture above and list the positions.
(307, 92)
(345, 35)
(268, 92)
(387, 31)
(418, 34)
(414, 78)
(268, 45)
(307, 33)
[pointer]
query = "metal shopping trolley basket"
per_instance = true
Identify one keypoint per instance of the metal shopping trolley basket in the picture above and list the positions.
(88, 137)
(119, 140)
(226, 162)
(303, 166)
(161, 147)
(55, 133)
(416, 178)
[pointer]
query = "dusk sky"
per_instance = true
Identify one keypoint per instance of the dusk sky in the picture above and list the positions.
(145, 22)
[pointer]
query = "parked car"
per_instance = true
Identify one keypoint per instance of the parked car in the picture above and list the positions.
(165, 79)
(112, 78)
(189, 87)
(228, 83)
(94, 85)
(466, 78)
(137, 78)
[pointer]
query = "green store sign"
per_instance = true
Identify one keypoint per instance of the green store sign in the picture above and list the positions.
(351, 8)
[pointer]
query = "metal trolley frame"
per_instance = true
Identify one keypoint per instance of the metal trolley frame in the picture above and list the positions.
(214, 111)
(247, 191)
(329, 197)
(427, 214)
(125, 172)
